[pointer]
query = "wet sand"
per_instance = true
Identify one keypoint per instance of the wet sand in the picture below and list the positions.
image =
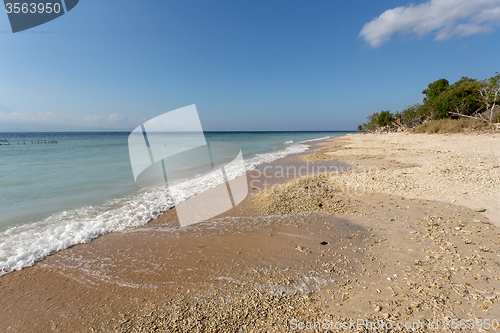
(273, 259)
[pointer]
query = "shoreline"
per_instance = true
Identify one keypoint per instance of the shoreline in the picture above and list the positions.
(463, 169)
(135, 208)
(257, 271)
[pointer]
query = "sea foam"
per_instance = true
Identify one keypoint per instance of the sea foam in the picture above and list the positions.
(22, 246)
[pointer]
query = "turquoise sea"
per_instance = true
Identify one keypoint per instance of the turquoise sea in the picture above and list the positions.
(60, 189)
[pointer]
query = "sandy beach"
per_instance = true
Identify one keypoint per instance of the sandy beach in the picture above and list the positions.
(380, 230)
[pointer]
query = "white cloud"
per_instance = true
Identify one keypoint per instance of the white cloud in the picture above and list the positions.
(114, 120)
(447, 17)
(111, 121)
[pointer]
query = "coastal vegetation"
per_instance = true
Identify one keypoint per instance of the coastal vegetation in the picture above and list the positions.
(468, 104)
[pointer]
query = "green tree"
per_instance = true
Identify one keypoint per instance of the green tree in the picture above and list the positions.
(412, 115)
(385, 118)
(379, 119)
(462, 97)
(435, 88)
(441, 100)
(371, 124)
(466, 98)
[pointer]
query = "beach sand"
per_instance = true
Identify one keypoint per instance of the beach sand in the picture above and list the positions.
(395, 238)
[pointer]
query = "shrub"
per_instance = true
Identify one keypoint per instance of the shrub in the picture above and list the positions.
(466, 97)
(451, 126)
(376, 120)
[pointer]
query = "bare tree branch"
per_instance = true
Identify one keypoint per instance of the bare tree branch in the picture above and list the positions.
(463, 115)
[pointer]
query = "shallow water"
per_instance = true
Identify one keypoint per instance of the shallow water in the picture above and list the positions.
(60, 189)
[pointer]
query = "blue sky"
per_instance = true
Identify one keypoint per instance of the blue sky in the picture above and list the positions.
(247, 65)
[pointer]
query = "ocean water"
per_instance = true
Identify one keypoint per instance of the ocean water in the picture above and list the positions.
(61, 189)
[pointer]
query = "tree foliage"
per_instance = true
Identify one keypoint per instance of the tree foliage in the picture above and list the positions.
(379, 119)
(466, 98)
(435, 88)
